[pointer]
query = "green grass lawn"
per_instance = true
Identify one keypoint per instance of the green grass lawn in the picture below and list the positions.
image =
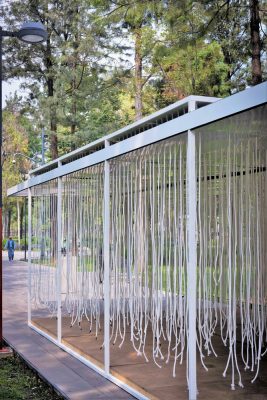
(18, 382)
(44, 261)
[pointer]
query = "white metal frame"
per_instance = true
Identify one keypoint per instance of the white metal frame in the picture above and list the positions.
(198, 100)
(85, 361)
(191, 188)
(29, 253)
(106, 266)
(59, 261)
(237, 103)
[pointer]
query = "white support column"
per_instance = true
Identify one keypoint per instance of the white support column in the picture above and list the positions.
(106, 265)
(29, 254)
(59, 260)
(192, 260)
(191, 105)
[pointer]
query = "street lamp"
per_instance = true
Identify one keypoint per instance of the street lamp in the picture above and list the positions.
(23, 155)
(30, 32)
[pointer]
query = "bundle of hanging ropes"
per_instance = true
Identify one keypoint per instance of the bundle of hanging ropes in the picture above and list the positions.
(148, 255)
(148, 250)
(82, 232)
(232, 274)
(44, 247)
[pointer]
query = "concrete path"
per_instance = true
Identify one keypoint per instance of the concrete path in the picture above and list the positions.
(69, 376)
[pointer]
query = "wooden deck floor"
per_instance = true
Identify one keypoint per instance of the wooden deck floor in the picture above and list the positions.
(78, 382)
(70, 377)
(158, 383)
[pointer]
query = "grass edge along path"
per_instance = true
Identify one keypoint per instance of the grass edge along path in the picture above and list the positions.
(19, 381)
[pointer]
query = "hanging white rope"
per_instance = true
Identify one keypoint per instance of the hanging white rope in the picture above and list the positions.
(82, 238)
(231, 252)
(44, 248)
(148, 250)
(148, 257)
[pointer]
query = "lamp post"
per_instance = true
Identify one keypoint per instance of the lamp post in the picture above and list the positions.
(30, 32)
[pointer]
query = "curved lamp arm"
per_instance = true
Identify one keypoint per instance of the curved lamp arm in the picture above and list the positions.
(23, 155)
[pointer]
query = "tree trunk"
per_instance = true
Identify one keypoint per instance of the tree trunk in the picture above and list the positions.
(228, 61)
(4, 224)
(53, 122)
(21, 217)
(73, 124)
(53, 141)
(225, 48)
(8, 222)
(53, 114)
(75, 46)
(255, 42)
(138, 74)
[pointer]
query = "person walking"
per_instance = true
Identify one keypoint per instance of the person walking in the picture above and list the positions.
(10, 246)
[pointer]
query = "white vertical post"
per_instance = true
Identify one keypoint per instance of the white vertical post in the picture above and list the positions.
(106, 265)
(18, 212)
(192, 259)
(59, 228)
(29, 254)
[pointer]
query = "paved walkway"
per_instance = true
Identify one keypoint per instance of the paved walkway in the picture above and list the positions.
(69, 376)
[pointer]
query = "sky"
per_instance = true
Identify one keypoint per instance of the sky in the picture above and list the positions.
(10, 88)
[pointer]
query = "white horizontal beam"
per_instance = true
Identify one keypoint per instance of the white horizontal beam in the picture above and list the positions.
(141, 122)
(237, 103)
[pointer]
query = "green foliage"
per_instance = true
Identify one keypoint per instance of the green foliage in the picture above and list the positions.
(59, 70)
(15, 141)
(107, 63)
(22, 243)
(4, 243)
(200, 68)
(228, 24)
(15, 166)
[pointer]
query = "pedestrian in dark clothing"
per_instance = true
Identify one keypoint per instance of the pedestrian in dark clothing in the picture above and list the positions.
(10, 246)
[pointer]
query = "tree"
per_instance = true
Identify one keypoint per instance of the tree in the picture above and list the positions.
(99, 114)
(14, 141)
(34, 63)
(237, 26)
(184, 62)
(135, 22)
(29, 122)
(106, 63)
(48, 66)
(197, 69)
(256, 44)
